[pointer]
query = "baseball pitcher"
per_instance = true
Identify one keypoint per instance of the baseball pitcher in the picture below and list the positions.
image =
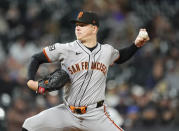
(84, 67)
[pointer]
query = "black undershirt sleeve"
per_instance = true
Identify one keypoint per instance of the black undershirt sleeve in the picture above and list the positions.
(126, 53)
(35, 62)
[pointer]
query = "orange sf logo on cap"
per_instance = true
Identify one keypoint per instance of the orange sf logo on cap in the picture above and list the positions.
(80, 15)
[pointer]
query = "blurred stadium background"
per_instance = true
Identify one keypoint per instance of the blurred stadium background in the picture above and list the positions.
(143, 93)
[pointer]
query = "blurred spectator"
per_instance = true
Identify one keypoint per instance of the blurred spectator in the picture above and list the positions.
(7, 85)
(25, 48)
(133, 117)
(156, 75)
(16, 115)
(149, 116)
(2, 54)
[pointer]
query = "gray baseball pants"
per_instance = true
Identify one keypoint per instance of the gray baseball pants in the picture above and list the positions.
(60, 118)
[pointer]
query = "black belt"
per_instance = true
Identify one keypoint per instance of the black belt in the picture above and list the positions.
(100, 103)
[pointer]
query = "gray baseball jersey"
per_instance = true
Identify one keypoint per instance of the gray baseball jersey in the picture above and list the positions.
(88, 72)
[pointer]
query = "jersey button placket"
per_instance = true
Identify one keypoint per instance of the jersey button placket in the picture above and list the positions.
(83, 86)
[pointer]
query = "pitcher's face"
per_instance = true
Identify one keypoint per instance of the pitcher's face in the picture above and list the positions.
(84, 31)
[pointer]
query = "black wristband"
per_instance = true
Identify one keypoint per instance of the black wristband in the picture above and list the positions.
(126, 53)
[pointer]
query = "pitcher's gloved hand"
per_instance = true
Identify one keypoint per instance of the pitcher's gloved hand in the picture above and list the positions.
(53, 81)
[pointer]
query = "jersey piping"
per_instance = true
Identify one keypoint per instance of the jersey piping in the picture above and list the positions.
(46, 56)
(82, 47)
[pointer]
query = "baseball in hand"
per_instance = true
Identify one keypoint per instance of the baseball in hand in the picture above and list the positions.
(143, 34)
(142, 38)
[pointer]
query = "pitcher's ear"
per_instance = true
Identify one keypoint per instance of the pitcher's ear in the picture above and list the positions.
(95, 28)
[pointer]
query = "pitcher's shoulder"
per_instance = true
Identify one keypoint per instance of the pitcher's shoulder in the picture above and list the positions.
(71, 44)
(107, 46)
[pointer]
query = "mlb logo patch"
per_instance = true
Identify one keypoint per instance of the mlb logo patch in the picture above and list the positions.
(51, 47)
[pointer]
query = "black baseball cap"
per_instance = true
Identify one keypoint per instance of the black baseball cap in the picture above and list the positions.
(87, 17)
